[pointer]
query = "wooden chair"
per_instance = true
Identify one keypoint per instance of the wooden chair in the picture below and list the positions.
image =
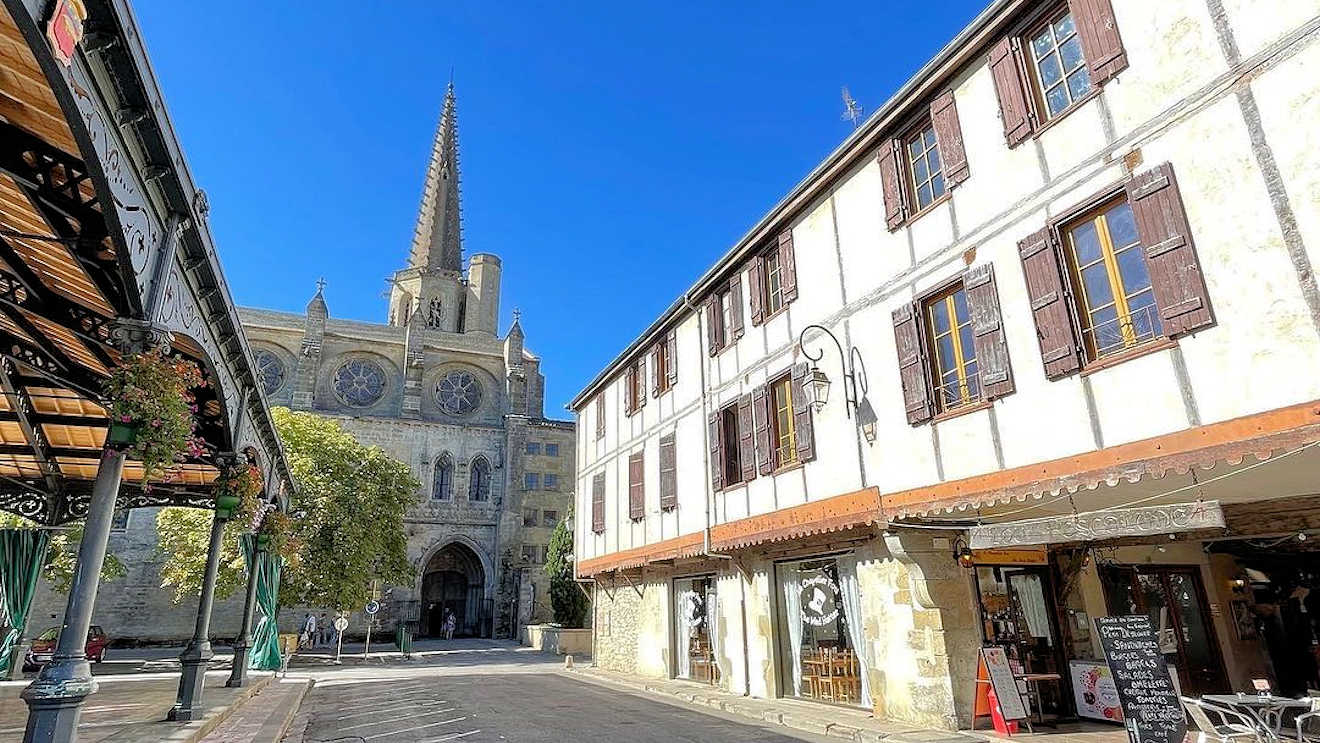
(811, 678)
(846, 678)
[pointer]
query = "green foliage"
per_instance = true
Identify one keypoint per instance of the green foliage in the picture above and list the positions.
(182, 536)
(153, 393)
(566, 599)
(347, 526)
(62, 554)
(348, 509)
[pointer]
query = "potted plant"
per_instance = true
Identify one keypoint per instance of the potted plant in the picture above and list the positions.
(236, 493)
(151, 406)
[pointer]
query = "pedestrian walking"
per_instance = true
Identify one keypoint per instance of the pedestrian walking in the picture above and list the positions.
(450, 622)
(323, 628)
(308, 637)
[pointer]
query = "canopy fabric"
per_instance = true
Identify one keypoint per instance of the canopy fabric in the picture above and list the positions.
(22, 554)
(264, 652)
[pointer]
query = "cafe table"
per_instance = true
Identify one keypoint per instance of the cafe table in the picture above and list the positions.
(1266, 709)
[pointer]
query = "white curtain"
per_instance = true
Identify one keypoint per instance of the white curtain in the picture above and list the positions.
(683, 643)
(852, 613)
(1031, 597)
(713, 626)
(791, 589)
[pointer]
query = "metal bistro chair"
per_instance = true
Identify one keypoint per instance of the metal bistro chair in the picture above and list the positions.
(1216, 723)
(1308, 723)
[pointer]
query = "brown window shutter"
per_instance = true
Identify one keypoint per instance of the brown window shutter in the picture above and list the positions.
(802, 422)
(671, 346)
(764, 446)
(1011, 88)
(988, 332)
(1101, 44)
(891, 182)
(629, 405)
(668, 473)
(912, 364)
(948, 134)
(746, 442)
(640, 402)
(598, 503)
(716, 452)
(655, 369)
(600, 417)
(714, 325)
(756, 289)
(636, 486)
(787, 266)
(1175, 271)
(1060, 345)
(735, 329)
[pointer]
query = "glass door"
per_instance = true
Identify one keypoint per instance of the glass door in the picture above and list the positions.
(693, 619)
(820, 634)
(1174, 598)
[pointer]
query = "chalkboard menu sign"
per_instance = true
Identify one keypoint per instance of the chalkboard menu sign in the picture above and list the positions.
(1151, 708)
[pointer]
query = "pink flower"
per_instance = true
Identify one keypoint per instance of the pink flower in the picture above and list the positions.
(125, 419)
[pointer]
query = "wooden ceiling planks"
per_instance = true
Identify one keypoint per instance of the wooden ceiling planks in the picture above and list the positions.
(25, 97)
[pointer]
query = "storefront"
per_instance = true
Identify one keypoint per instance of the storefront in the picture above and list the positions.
(820, 637)
(695, 635)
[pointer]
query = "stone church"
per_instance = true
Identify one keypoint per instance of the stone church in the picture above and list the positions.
(437, 387)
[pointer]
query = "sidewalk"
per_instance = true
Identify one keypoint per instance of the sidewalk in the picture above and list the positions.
(835, 722)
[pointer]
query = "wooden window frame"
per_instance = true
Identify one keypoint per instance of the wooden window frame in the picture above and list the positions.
(769, 295)
(945, 293)
(782, 386)
(916, 130)
(600, 417)
(662, 366)
(730, 445)
(1034, 81)
(1080, 304)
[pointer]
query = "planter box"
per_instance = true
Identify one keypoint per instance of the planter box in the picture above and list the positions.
(558, 640)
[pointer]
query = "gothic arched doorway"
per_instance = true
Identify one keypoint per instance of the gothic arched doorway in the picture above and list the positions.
(453, 580)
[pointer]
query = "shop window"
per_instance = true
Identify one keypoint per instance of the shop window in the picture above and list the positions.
(694, 610)
(1115, 300)
(821, 639)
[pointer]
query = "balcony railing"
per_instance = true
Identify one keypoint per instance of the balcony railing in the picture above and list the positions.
(1123, 332)
(958, 393)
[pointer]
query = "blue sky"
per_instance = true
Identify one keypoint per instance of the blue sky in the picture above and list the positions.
(610, 152)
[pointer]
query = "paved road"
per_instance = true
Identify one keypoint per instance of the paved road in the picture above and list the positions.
(502, 695)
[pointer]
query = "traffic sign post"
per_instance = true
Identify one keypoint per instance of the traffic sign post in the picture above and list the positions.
(372, 607)
(341, 624)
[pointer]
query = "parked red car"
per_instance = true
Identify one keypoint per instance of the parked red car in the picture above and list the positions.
(43, 647)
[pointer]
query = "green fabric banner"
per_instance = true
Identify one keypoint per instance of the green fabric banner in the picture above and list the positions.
(22, 554)
(264, 654)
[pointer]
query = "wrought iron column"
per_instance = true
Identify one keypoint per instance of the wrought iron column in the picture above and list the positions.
(243, 643)
(55, 698)
(188, 704)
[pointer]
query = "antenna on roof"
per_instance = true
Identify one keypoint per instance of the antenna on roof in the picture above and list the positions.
(852, 110)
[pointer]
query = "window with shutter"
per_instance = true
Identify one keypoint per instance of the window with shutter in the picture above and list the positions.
(598, 503)
(636, 486)
(1175, 270)
(756, 289)
(746, 442)
(715, 323)
(783, 424)
(734, 311)
(787, 267)
(668, 473)
(1006, 70)
(988, 332)
(954, 363)
(764, 445)
(912, 365)
(671, 358)
(657, 370)
(895, 195)
(1101, 43)
(600, 417)
(1048, 295)
(630, 390)
(730, 445)
(804, 433)
(714, 433)
(948, 135)
(639, 393)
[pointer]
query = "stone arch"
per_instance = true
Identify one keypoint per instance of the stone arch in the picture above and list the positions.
(442, 479)
(456, 576)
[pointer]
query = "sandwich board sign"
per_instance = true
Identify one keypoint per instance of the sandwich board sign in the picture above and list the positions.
(997, 695)
(1152, 711)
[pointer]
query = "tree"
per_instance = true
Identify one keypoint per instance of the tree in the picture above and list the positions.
(347, 523)
(567, 600)
(62, 555)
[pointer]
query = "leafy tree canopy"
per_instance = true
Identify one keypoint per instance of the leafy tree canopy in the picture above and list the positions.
(62, 554)
(569, 604)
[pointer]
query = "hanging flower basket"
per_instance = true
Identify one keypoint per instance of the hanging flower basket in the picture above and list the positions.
(151, 406)
(277, 531)
(237, 492)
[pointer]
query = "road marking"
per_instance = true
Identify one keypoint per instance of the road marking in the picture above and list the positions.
(406, 699)
(419, 727)
(398, 719)
(385, 710)
(455, 736)
(392, 695)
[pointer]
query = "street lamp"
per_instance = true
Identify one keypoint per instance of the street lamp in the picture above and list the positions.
(817, 384)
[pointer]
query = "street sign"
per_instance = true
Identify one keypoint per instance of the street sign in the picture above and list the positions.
(373, 607)
(341, 624)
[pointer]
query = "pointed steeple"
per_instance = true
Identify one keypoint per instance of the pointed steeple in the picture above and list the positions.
(437, 244)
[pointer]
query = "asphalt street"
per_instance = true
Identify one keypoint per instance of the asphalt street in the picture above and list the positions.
(494, 701)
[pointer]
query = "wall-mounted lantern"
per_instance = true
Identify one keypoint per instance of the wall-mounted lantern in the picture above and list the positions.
(817, 384)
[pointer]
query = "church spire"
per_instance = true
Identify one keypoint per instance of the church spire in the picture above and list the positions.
(437, 243)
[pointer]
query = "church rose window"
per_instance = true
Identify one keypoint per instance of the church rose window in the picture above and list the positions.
(459, 393)
(270, 370)
(360, 383)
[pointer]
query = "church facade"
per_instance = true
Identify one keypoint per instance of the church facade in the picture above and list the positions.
(439, 388)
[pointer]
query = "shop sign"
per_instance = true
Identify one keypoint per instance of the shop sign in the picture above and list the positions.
(65, 29)
(820, 600)
(1146, 692)
(1028, 556)
(1097, 525)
